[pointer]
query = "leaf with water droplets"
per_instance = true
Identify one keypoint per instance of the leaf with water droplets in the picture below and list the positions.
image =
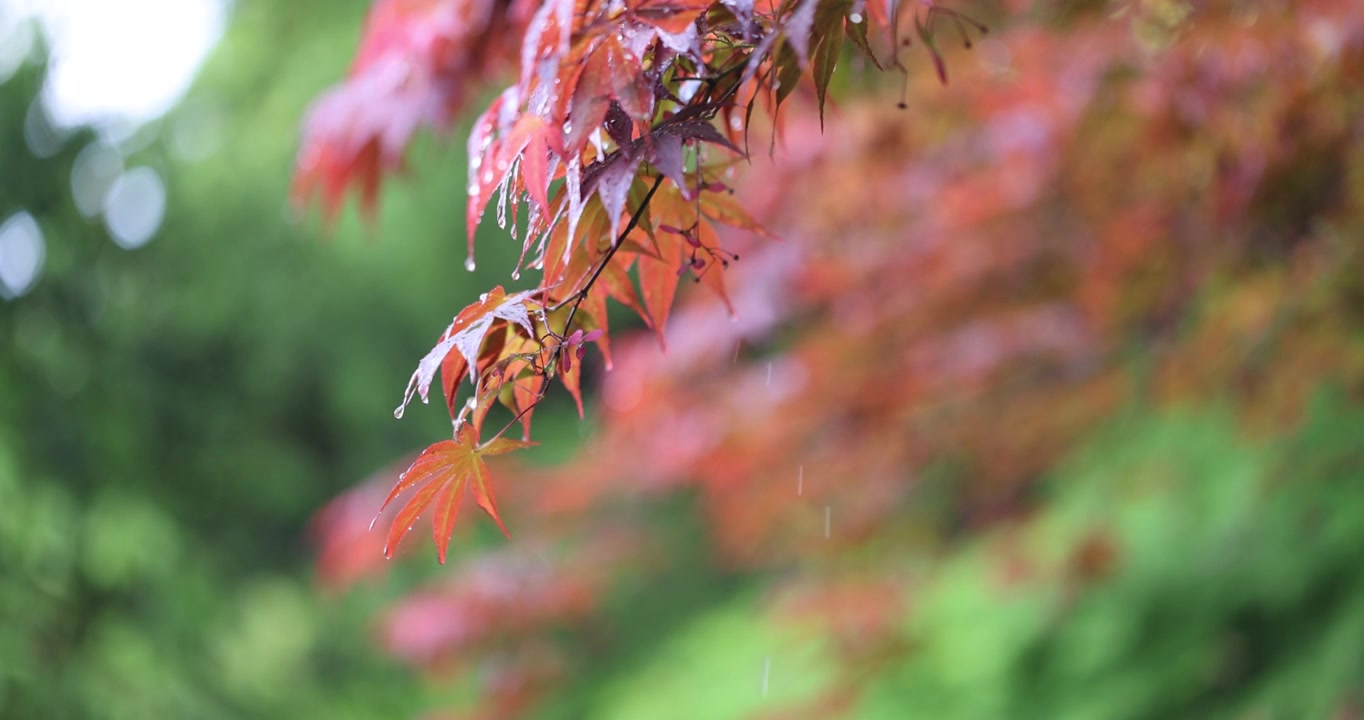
(671, 16)
(458, 350)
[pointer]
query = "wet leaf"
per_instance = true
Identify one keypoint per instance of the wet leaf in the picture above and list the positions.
(442, 475)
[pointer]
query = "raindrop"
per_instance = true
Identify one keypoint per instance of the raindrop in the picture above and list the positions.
(855, 18)
(516, 274)
(483, 297)
(769, 374)
(398, 411)
(21, 254)
(828, 514)
(800, 479)
(776, 84)
(767, 670)
(736, 122)
(134, 207)
(469, 264)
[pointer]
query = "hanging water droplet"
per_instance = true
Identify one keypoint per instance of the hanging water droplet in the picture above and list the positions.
(736, 122)
(776, 84)
(469, 264)
(398, 411)
(516, 275)
(855, 18)
(473, 187)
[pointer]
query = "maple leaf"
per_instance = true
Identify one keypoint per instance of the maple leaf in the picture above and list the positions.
(670, 16)
(444, 472)
(828, 45)
(459, 348)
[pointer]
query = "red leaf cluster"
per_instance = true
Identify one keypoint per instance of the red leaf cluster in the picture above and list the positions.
(608, 138)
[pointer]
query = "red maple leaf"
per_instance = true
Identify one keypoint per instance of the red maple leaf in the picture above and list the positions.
(445, 471)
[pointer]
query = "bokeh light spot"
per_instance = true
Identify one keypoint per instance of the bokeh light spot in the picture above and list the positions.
(134, 206)
(21, 254)
(92, 174)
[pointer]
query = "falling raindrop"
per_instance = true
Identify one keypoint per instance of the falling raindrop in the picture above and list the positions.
(800, 479)
(516, 274)
(769, 374)
(828, 513)
(398, 411)
(469, 264)
(767, 670)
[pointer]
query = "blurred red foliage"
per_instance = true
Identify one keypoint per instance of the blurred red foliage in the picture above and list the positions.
(950, 308)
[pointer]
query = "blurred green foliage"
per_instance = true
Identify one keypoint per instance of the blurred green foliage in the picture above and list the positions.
(172, 416)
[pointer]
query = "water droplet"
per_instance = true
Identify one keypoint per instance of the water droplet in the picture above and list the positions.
(736, 122)
(769, 374)
(800, 479)
(398, 411)
(776, 84)
(516, 275)
(469, 264)
(767, 670)
(855, 17)
(828, 512)
(483, 297)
